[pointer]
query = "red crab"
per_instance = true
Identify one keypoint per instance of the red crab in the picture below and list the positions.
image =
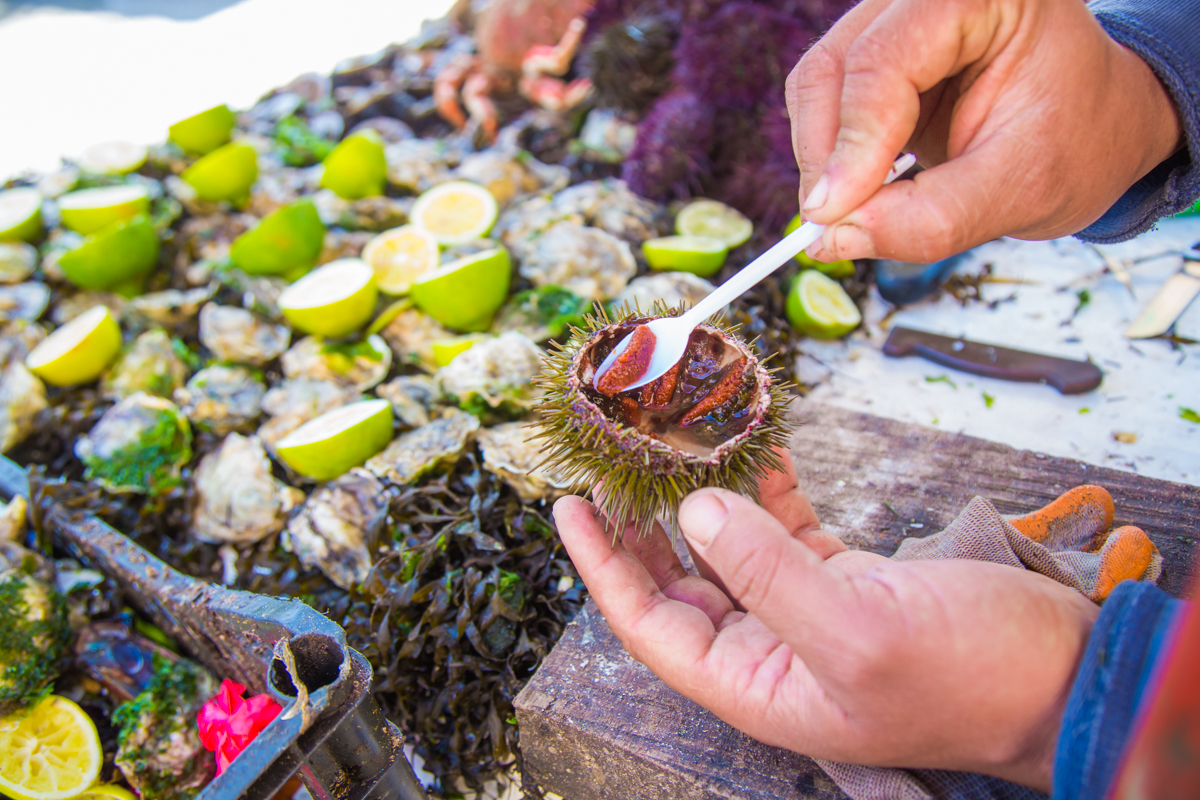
(523, 44)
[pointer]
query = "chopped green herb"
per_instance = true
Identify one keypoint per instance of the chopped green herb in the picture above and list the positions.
(1189, 414)
(988, 399)
(941, 379)
(1082, 297)
(1085, 410)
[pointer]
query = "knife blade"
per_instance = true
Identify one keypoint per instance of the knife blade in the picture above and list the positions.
(993, 361)
(1170, 302)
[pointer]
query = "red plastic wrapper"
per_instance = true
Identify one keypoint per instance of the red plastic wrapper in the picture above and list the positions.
(228, 723)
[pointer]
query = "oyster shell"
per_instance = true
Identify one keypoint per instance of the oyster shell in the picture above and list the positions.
(12, 519)
(139, 445)
(509, 454)
(294, 402)
(590, 262)
(172, 308)
(671, 289)
(608, 205)
(426, 449)
(222, 398)
(237, 498)
(343, 244)
(337, 528)
(22, 398)
(17, 339)
(260, 293)
(18, 260)
(413, 398)
(494, 374)
(149, 365)
(33, 633)
(510, 174)
(359, 365)
(23, 301)
(377, 213)
(411, 336)
(70, 306)
(235, 334)
(419, 164)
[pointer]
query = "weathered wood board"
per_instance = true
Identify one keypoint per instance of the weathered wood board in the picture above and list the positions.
(596, 724)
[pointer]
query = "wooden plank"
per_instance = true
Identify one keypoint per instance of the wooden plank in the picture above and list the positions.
(596, 724)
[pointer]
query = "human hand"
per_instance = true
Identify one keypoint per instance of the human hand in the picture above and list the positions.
(1033, 122)
(842, 655)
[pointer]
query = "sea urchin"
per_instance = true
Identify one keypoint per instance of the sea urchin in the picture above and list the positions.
(711, 421)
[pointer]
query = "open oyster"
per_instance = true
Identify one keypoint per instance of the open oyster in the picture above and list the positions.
(294, 402)
(17, 261)
(33, 631)
(509, 453)
(149, 365)
(139, 445)
(427, 449)
(237, 499)
(222, 398)
(711, 421)
(413, 398)
(495, 374)
(359, 365)
(590, 262)
(235, 334)
(23, 301)
(22, 398)
(337, 528)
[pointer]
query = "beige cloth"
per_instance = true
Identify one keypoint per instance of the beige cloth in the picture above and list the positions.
(982, 534)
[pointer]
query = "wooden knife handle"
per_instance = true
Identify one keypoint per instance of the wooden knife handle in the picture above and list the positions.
(993, 361)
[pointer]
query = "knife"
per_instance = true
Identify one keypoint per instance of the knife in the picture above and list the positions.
(1170, 302)
(992, 361)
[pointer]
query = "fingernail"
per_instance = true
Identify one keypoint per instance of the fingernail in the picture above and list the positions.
(814, 250)
(701, 517)
(819, 194)
(849, 241)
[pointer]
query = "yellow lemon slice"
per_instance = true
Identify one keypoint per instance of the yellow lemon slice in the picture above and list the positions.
(89, 210)
(286, 241)
(326, 447)
(113, 256)
(332, 300)
(400, 256)
(107, 791)
(78, 351)
(226, 173)
(112, 158)
(714, 220)
(356, 168)
(203, 132)
(819, 307)
(20, 215)
(465, 294)
(50, 752)
(455, 212)
(699, 255)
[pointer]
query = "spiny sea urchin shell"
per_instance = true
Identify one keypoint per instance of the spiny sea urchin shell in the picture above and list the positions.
(711, 421)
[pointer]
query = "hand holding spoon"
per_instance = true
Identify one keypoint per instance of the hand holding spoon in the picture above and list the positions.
(659, 344)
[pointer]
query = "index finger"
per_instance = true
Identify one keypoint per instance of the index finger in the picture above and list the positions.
(781, 495)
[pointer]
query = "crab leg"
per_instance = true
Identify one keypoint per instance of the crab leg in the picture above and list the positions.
(556, 59)
(476, 95)
(446, 85)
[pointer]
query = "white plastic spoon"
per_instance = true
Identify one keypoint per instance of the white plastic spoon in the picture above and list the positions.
(671, 333)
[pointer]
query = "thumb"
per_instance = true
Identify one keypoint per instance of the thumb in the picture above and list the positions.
(805, 601)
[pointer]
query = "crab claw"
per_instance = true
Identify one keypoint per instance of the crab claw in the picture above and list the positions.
(446, 85)
(556, 59)
(554, 94)
(476, 95)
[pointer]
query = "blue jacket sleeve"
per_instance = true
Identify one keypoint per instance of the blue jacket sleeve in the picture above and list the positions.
(1127, 643)
(1166, 34)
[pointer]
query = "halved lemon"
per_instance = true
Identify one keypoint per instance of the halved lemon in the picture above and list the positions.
(20, 215)
(203, 132)
(326, 447)
(89, 210)
(445, 350)
(455, 212)
(50, 752)
(699, 255)
(400, 256)
(819, 307)
(112, 158)
(332, 300)
(357, 167)
(286, 241)
(113, 256)
(226, 173)
(715, 220)
(78, 351)
(465, 294)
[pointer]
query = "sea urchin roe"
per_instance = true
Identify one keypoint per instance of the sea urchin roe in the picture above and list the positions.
(658, 393)
(631, 365)
(723, 394)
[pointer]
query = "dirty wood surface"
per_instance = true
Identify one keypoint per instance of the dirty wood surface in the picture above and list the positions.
(596, 724)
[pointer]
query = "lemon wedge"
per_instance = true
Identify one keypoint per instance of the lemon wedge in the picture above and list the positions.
(356, 168)
(715, 220)
(112, 158)
(20, 215)
(226, 173)
(78, 351)
(455, 212)
(699, 255)
(332, 300)
(50, 752)
(400, 256)
(465, 294)
(89, 210)
(819, 307)
(204, 132)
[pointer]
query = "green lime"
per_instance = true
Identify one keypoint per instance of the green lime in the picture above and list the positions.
(699, 255)
(20, 215)
(714, 220)
(285, 241)
(399, 256)
(356, 168)
(226, 173)
(203, 132)
(107, 791)
(444, 350)
(112, 158)
(455, 213)
(333, 300)
(838, 270)
(89, 210)
(464, 295)
(819, 307)
(78, 351)
(328, 446)
(113, 256)
(389, 314)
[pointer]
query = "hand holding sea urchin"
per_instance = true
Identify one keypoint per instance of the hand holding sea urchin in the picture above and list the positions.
(710, 421)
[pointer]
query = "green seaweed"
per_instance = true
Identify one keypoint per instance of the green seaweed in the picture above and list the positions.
(30, 651)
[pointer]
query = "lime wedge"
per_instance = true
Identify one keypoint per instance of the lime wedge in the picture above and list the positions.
(714, 220)
(333, 300)
(444, 350)
(89, 210)
(456, 212)
(699, 255)
(356, 168)
(400, 256)
(107, 791)
(203, 132)
(112, 158)
(834, 269)
(49, 752)
(325, 447)
(465, 294)
(389, 314)
(78, 351)
(113, 256)
(226, 173)
(286, 241)
(819, 307)
(20, 215)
